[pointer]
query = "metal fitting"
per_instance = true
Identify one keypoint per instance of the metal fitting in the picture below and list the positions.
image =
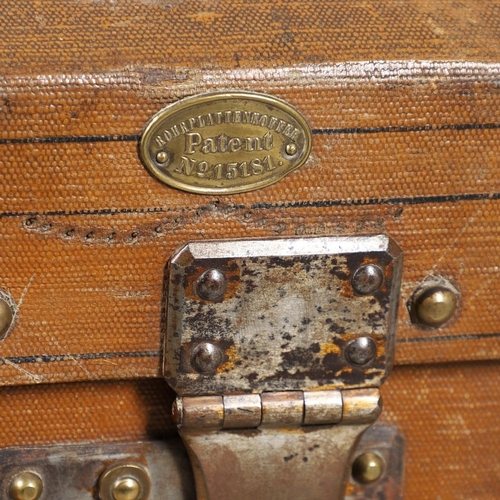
(367, 279)
(367, 468)
(6, 314)
(206, 358)
(433, 304)
(26, 486)
(360, 351)
(212, 285)
(124, 482)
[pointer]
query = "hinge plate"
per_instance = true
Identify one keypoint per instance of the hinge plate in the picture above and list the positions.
(248, 316)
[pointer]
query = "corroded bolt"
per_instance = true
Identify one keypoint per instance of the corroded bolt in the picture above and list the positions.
(6, 317)
(126, 488)
(360, 351)
(162, 157)
(291, 149)
(26, 486)
(433, 306)
(206, 358)
(212, 285)
(367, 468)
(367, 279)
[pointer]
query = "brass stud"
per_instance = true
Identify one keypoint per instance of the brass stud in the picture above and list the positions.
(162, 157)
(433, 306)
(26, 486)
(367, 468)
(6, 317)
(124, 482)
(291, 149)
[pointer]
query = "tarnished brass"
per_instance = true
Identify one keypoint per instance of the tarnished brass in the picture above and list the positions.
(223, 143)
(433, 304)
(124, 482)
(367, 468)
(6, 317)
(26, 486)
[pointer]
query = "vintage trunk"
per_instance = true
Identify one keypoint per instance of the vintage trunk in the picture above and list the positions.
(402, 98)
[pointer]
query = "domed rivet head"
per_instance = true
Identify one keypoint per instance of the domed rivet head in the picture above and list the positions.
(206, 358)
(367, 468)
(291, 149)
(26, 486)
(162, 157)
(126, 488)
(367, 279)
(360, 351)
(6, 317)
(212, 285)
(124, 482)
(433, 306)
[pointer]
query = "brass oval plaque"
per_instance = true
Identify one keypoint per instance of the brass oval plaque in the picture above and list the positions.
(225, 143)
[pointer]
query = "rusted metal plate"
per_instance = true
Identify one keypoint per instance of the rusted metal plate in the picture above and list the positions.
(386, 442)
(73, 471)
(285, 314)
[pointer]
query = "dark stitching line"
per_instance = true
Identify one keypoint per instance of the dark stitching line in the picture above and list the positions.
(45, 358)
(448, 338)
(418, 200)
(416, 128)
(318, 131)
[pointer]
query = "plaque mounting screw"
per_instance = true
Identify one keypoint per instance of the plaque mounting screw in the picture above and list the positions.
(433, 306)
(291, 149)
(26, 486)
(212, 285)
(162, 157)
(367, 468)
(367, 279)
(360, 351)
(206, 358)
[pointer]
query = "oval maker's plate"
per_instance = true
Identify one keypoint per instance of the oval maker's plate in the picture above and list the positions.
(224, 143)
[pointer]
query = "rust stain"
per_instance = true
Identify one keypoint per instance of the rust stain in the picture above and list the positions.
(329, 348)
(232, 356)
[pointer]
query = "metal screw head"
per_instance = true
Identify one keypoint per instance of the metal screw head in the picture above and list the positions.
(367, 468)
(360, 351)
(291, 149)
(434, 306)
(162, 157)
(124, 482)
(206, 358)
(126, 488)
(26, 486)
(212, 285)
(6, 317)
(367, 279)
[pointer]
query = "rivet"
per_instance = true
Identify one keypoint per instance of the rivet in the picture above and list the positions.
(367, 279)
(291, 149)
(367, 468)
(6, 317)
(162, 157)
(206, 358)
(360, 351)
(433, 306)
(212, 285)
(126, 488)
(26, 486)
(124, 482)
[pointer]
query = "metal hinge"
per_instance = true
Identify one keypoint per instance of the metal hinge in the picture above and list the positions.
(276, 349)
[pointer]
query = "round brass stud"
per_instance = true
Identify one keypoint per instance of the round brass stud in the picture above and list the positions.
(367, 468)
(124, 482)
(26, 486)
(291, 149)
(162, 157)
(433, 306)
(6, 317)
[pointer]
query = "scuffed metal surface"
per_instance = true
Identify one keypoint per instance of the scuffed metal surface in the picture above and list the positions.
(286, 317)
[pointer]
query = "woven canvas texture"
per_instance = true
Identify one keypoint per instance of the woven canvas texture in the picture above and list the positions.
(404, 105)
